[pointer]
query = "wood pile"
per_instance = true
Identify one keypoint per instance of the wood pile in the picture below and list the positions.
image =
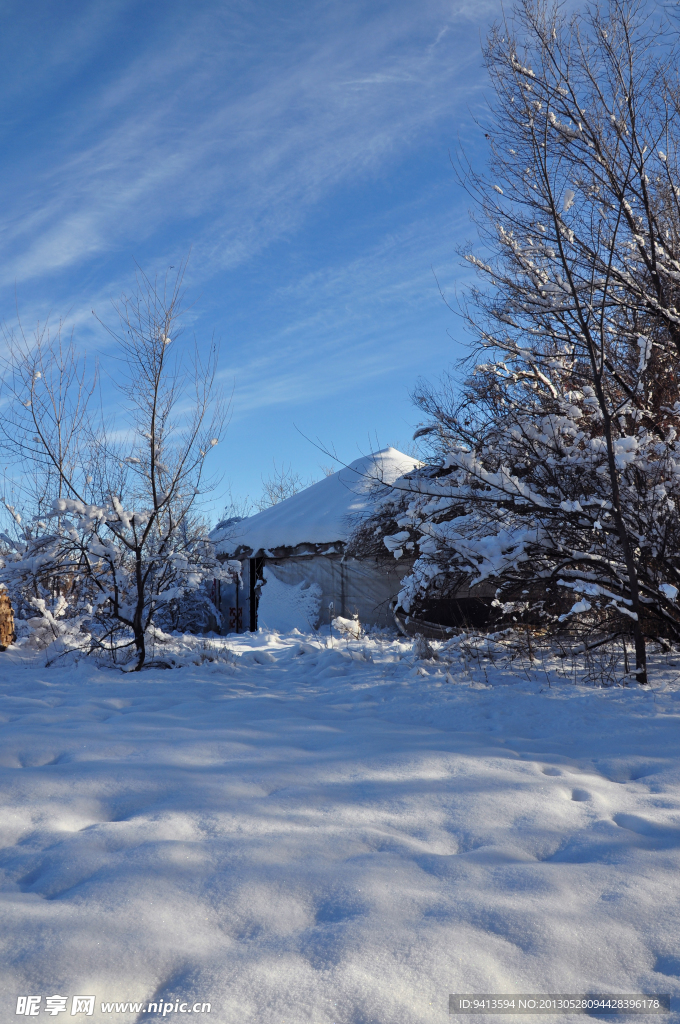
(7, 634)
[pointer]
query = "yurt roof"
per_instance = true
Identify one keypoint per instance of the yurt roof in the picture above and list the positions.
(321, 514)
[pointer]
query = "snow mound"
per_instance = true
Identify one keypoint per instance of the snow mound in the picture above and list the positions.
(306, 830)
(285, 607)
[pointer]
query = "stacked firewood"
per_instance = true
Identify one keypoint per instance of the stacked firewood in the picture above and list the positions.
(7, 634)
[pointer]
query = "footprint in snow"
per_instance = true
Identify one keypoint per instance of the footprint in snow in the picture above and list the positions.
(663, 835)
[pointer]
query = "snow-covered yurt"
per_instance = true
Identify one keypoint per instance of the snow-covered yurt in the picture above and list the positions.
(295, 568)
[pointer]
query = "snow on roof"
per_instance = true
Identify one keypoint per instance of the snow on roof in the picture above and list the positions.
(322, 513)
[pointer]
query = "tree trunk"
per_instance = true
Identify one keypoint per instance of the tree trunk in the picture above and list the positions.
(640, 647)
(640, 656)
(138, 627)
(140, 646)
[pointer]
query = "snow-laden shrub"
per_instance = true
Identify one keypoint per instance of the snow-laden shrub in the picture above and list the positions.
(82, 575)
(556, 474)
(350, 628)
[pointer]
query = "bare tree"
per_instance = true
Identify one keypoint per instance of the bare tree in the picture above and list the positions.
(236, 507)
(283, 483)
(115, 506)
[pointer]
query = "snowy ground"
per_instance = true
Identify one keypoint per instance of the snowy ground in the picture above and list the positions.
(294, 833)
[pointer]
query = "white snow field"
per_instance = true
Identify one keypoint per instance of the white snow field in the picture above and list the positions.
(298, 833)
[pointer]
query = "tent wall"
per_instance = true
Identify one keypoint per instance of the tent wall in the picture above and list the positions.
(351, 586)
(364, 588)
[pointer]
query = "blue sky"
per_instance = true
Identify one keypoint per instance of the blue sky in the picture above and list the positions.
(299, 149)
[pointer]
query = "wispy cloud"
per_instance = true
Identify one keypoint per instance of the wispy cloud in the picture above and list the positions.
(299, 150)
(233, 158)
(351, 323)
